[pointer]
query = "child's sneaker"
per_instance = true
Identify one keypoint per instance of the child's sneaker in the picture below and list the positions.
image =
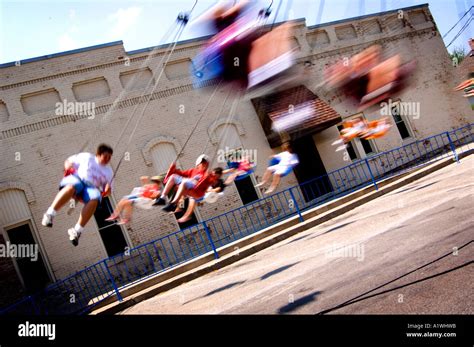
(159, 201)
(47, 220)
(74, 236)
(170, 207)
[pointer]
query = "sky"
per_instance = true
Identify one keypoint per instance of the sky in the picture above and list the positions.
(36, 27)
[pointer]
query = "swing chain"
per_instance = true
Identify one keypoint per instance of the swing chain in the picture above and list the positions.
(183, 17)
(266, 12)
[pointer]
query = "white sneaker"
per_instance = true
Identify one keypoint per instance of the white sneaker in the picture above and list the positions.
(74, 236)
(47, 220)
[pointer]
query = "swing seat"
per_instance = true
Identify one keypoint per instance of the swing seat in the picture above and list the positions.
(199, 191)
(385, 80)
(232, 164)
(244, 175)
(273, 161)
(376, 130)
(236, 165)
(144, 203)
(212, 197)
(271, 56)
(349, 134)
(276, 161)
(171, 170)
(466, 84)
(217, 59)
(207, 65)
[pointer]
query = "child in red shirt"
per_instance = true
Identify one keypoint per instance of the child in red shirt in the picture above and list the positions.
(193, 182)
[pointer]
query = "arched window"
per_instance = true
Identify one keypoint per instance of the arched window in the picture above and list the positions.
(162, 155)
(228, 136)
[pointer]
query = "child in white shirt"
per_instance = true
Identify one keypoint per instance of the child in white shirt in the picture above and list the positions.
(89, 178)
(282, 164)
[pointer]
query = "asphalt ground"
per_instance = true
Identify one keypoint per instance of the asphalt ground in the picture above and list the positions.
(408, 252)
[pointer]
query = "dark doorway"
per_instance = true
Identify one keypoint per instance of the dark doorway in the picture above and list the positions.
(190, 222)
(246, 190)
(310, 167)
(111, 234)
(31, 265)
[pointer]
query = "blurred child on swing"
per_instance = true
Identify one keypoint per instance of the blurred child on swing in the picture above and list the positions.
(142, 197)
(193, 182)
(280, 165)
(213, 192)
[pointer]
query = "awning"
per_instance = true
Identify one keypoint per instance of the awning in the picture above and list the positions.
(296, 112)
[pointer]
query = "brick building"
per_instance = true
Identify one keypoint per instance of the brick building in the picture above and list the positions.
(35, 140)
(465, 70)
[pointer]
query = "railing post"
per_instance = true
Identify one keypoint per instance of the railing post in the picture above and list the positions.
(151, 259)
(208, 233)
(296, 205)
(453, 148)
(371, 174)
(113, 281)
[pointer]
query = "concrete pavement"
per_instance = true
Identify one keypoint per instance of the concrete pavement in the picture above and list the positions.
(352, 254)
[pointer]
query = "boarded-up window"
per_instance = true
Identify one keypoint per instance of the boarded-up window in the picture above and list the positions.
(371, 27)
(346, 32)
(318, 38)
(177, 69)
(41, 101)
(162, 155)
(394, 23)
(417, 17)
(228, 136)
(136, 79)
(3, 112)
(91, 89)
(294, 43)
(13, 207)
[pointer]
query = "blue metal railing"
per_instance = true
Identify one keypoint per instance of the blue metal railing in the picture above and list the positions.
(80, 292)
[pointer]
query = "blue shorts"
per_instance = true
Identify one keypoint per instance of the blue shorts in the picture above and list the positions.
(198, 199)
(82, 190)
(131, 198)
(189, 183)
(282, 170)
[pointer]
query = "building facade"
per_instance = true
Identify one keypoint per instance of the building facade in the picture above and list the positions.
(115, 89)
